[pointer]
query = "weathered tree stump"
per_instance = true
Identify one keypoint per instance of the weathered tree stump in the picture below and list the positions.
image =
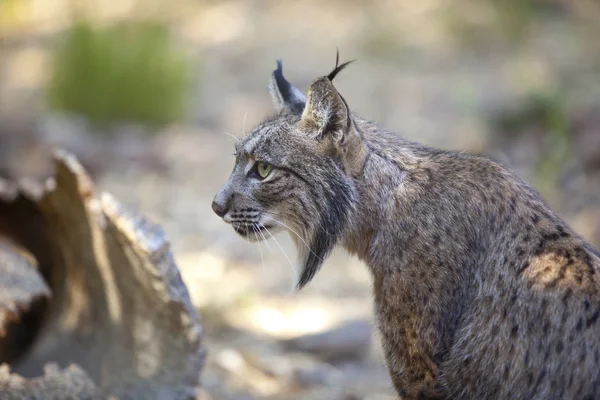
(91, 287)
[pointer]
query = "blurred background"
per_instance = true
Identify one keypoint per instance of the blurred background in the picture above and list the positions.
(147, 92)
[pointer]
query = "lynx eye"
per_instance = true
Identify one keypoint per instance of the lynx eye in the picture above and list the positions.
(263, 169)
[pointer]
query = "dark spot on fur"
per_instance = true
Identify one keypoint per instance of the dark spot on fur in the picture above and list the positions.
(506, 370)
(569, 260)
(559, 347)
(495, 330)
(561, 232)
(535, 218)
(579, 325)
(514, 330)
(529, 378)
(522, 268)
(539, 248)
(551, 237)
(592, 320)
(546, 327)
(547, 354)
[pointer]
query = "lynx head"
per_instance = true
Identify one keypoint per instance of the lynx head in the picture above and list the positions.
(295, 172)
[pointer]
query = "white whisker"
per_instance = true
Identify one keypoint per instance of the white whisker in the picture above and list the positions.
(259, 248)
(244, 123)
(295, 233)
(320, 225)
(229, 134)
(263, 235)
(286, 256)
(239, 224)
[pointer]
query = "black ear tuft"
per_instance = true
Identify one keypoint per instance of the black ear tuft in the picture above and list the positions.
(338, 68)
(287, 98)
(282, 84)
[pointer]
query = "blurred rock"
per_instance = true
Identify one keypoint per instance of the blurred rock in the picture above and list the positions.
(119, 308)
(20, 285)
(317, 375)
(72, 383)
(348, 341)
(24, 299)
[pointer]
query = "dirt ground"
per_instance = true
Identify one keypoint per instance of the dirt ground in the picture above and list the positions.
(439, 74)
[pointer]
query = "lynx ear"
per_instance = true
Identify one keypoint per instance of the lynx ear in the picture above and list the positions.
(327, 117)
(286, 97)
(326, 111)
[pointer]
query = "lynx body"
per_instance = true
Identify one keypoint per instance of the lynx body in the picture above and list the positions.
(481, 290)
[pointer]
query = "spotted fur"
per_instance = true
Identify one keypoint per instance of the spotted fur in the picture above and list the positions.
(481, 290)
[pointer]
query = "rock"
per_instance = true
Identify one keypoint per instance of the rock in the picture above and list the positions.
(119, 307)
(348, 341)
(20, 285)
(72, 383)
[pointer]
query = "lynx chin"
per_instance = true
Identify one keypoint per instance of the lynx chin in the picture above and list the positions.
(481, 290)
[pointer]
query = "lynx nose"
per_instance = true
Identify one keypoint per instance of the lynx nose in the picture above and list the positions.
(219, 208)
(222, 201)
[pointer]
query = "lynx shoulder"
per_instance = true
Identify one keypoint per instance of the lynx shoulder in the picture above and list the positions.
(481, 290)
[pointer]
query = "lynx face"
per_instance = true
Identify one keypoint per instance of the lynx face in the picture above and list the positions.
(294, 172)
(269, 186)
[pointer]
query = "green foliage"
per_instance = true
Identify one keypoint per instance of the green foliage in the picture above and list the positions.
(546, 113)
(515, 17)
(10, 3)
(558, 143)
(383, 41)
(12, 13)
(479, 23)
(125, 72)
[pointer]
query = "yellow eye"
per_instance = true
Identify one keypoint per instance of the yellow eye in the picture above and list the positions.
(263, 169)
